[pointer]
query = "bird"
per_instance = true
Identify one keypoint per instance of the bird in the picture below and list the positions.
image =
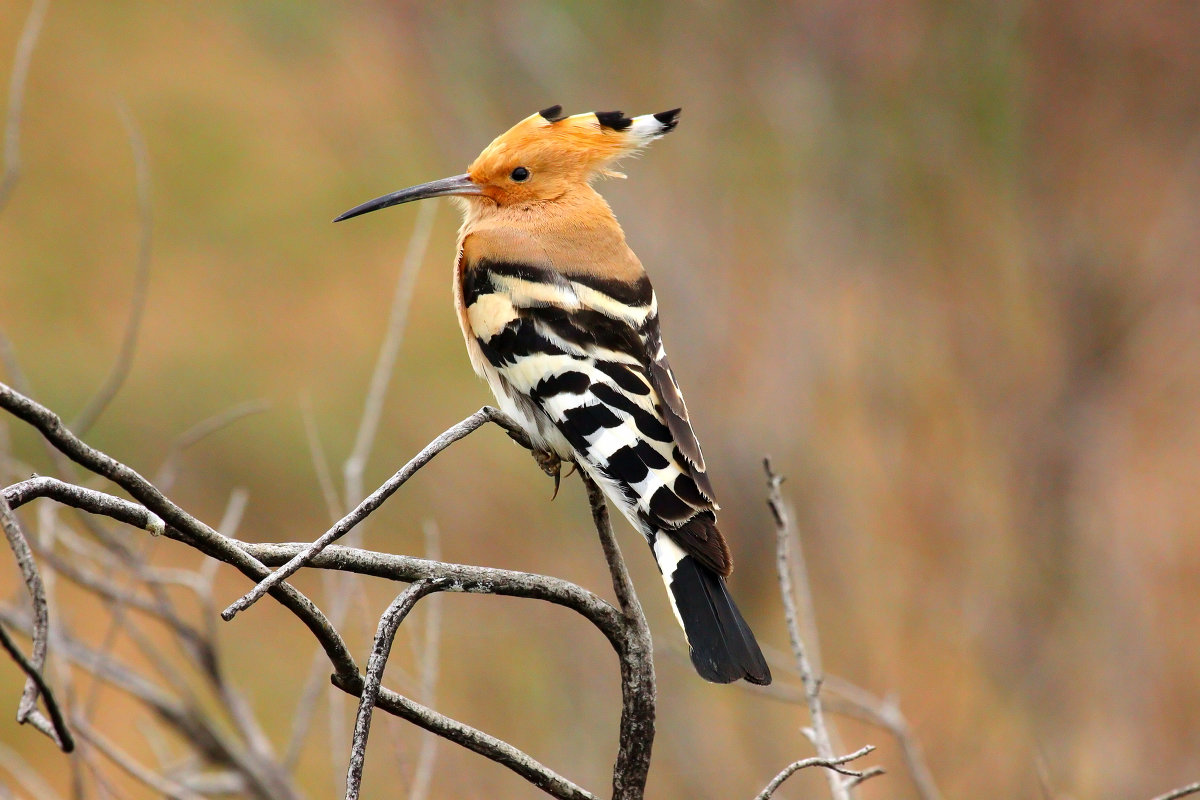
(560, 319)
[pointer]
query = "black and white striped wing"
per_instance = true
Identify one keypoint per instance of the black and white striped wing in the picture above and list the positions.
(586, 354)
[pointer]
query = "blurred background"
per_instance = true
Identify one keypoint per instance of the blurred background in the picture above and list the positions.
(937, 259)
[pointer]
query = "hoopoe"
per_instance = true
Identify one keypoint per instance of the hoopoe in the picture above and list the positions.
(560, 319)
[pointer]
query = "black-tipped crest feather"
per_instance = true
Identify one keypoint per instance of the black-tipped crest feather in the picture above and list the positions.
(669, 119)
(553, 114)
(613, 119)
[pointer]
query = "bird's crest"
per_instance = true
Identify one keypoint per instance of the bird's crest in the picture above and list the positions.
(581, 145)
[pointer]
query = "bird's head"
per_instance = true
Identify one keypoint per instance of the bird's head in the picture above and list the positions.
(540, 159)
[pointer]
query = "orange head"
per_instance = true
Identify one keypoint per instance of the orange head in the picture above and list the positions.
(541, 158)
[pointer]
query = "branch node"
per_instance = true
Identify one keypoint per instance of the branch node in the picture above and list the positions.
(366, 507)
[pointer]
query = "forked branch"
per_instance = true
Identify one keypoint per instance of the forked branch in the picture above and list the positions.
(35, 685)
(834, 765)
(364, 509)
(819, 732)
(625, 629)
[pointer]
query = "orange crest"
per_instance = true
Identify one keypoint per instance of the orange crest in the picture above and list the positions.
(558, 148)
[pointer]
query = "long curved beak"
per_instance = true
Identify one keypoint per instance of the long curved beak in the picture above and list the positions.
(458, 185)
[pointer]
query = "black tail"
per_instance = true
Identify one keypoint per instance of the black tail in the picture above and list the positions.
(723, 646)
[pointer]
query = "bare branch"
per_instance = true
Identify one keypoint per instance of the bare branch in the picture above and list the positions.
(137, 306)
(160, 784)
(1182, 791)
(626, 629)
(27, 710)
(389, 623)
(181, 525)
(16, 99)
(430, 651)
(834, 765)
(462, 578)
(194, 725)
(89, 500)
(867, 774)
(333, 503)
(364, 509)
(352, 470)
(851, 700)
(638, 690)
(847, 699)
(458, 578)
(57, 728)
(812, 683)
(472, 739)
(29, 779)
(305, 708)
(107, 669)
(201, 430)
(472, 579)
(231, 520)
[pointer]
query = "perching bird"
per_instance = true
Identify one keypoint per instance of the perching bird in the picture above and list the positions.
(560, 319)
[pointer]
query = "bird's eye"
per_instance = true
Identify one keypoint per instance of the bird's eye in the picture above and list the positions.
(520, 174)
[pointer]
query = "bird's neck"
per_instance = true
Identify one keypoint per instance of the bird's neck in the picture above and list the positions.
(575, 232)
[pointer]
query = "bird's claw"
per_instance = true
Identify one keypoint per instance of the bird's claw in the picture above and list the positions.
(551, 464)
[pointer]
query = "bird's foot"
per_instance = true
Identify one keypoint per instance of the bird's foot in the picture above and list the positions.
(551, 464)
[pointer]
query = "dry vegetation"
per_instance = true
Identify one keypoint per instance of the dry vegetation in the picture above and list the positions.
(937, 259)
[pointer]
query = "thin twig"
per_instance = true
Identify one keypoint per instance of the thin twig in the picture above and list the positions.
(341, 589)
(472, 739)
(231, 520)
(464, 578)
(333, 503)
(364, 509)
(305, 708)
(159, 783)
(832, 764)
(1182, 791)
(16, 99)
(18, 766)
(389, 623)
(461, 578)
(190, 721)
(638, 689)
(107, 669)
(364, 440)
(812, 683)
(141, 282)
(102, 785)
(165, 478)
(848, 699)
(58, 731)
(89, 500)
(625, 629)
(182, 526)
(429, 657)
(27, 710)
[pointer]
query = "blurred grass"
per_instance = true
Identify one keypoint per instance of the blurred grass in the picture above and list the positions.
(937, 259)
